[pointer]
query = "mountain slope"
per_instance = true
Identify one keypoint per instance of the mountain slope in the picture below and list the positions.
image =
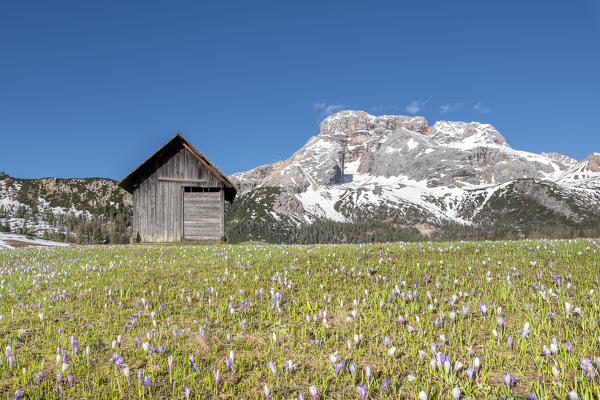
(398, 169)
(76, 209)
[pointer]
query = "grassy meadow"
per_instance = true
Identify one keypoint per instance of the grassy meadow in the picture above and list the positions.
(405, 320)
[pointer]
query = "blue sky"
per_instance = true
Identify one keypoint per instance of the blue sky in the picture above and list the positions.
(92, 88)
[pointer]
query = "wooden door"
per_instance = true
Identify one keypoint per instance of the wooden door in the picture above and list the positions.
(202, 216)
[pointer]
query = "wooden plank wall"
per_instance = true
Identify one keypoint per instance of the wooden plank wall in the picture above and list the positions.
(158, 201)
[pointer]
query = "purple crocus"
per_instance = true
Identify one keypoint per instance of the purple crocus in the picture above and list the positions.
(352, 368)
(470, 373)
(362, 391)
(588, 368)
(386, 341)
(509, 379)
(147, 382)
(368, 373)
(18, 395)
(272, 368)
(510, 342)
(186, 392)
(192, 363)
(217, 375)
(267, 391)
(338, 367)
(385, 385)
(70, 379)
(170, 364)
(569, 347)
(40, 376)
(483, 309)
(228, 363)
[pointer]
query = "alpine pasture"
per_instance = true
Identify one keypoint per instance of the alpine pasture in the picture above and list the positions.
(420, 320)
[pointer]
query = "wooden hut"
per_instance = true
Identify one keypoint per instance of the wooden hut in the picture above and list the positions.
(178, 195)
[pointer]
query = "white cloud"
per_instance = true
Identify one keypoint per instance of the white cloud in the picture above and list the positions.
(415, 106)
(327, 109)
(450, 107)
(482, 108)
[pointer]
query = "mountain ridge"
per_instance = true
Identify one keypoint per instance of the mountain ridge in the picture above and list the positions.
(448, 172)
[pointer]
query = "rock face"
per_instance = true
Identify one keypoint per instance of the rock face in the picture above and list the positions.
(360, 162)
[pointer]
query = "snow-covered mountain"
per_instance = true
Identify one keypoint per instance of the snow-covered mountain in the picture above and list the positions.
(64, 209)
(399, 168)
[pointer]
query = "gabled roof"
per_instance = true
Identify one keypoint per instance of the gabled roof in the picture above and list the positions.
(174, 144)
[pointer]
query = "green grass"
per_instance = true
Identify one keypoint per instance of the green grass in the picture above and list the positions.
(262, 294)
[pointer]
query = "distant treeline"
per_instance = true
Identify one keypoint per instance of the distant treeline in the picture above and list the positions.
(108, 224)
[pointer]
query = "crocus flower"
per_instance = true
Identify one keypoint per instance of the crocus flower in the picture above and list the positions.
(352, 368)
(476, 364)
(147, 382)
(386, 341)
(170, 364)
(313, 392)
(338, 367)
(385, 385)
(569, 346)
(368, 373)
(192, 363)
(228, 363)
(483, 309)
(588, 368)
(40, 376)
(267, 390)
(272, 368)
(525, 331)
(509, 379)
(470, 373)
(217, 375)
(186, 392)
(362, 391)
(456, 393)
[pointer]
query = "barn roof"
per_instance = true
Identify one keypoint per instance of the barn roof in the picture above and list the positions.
(175, 144)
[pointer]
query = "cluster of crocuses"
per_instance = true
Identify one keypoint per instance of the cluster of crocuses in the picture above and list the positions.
(472, 312)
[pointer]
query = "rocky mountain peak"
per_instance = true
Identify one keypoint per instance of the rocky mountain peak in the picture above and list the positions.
(561, 159)
(355, 123)
(466, 134)
(593, 162)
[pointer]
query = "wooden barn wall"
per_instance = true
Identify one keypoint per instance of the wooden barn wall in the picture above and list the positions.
(158, 203)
